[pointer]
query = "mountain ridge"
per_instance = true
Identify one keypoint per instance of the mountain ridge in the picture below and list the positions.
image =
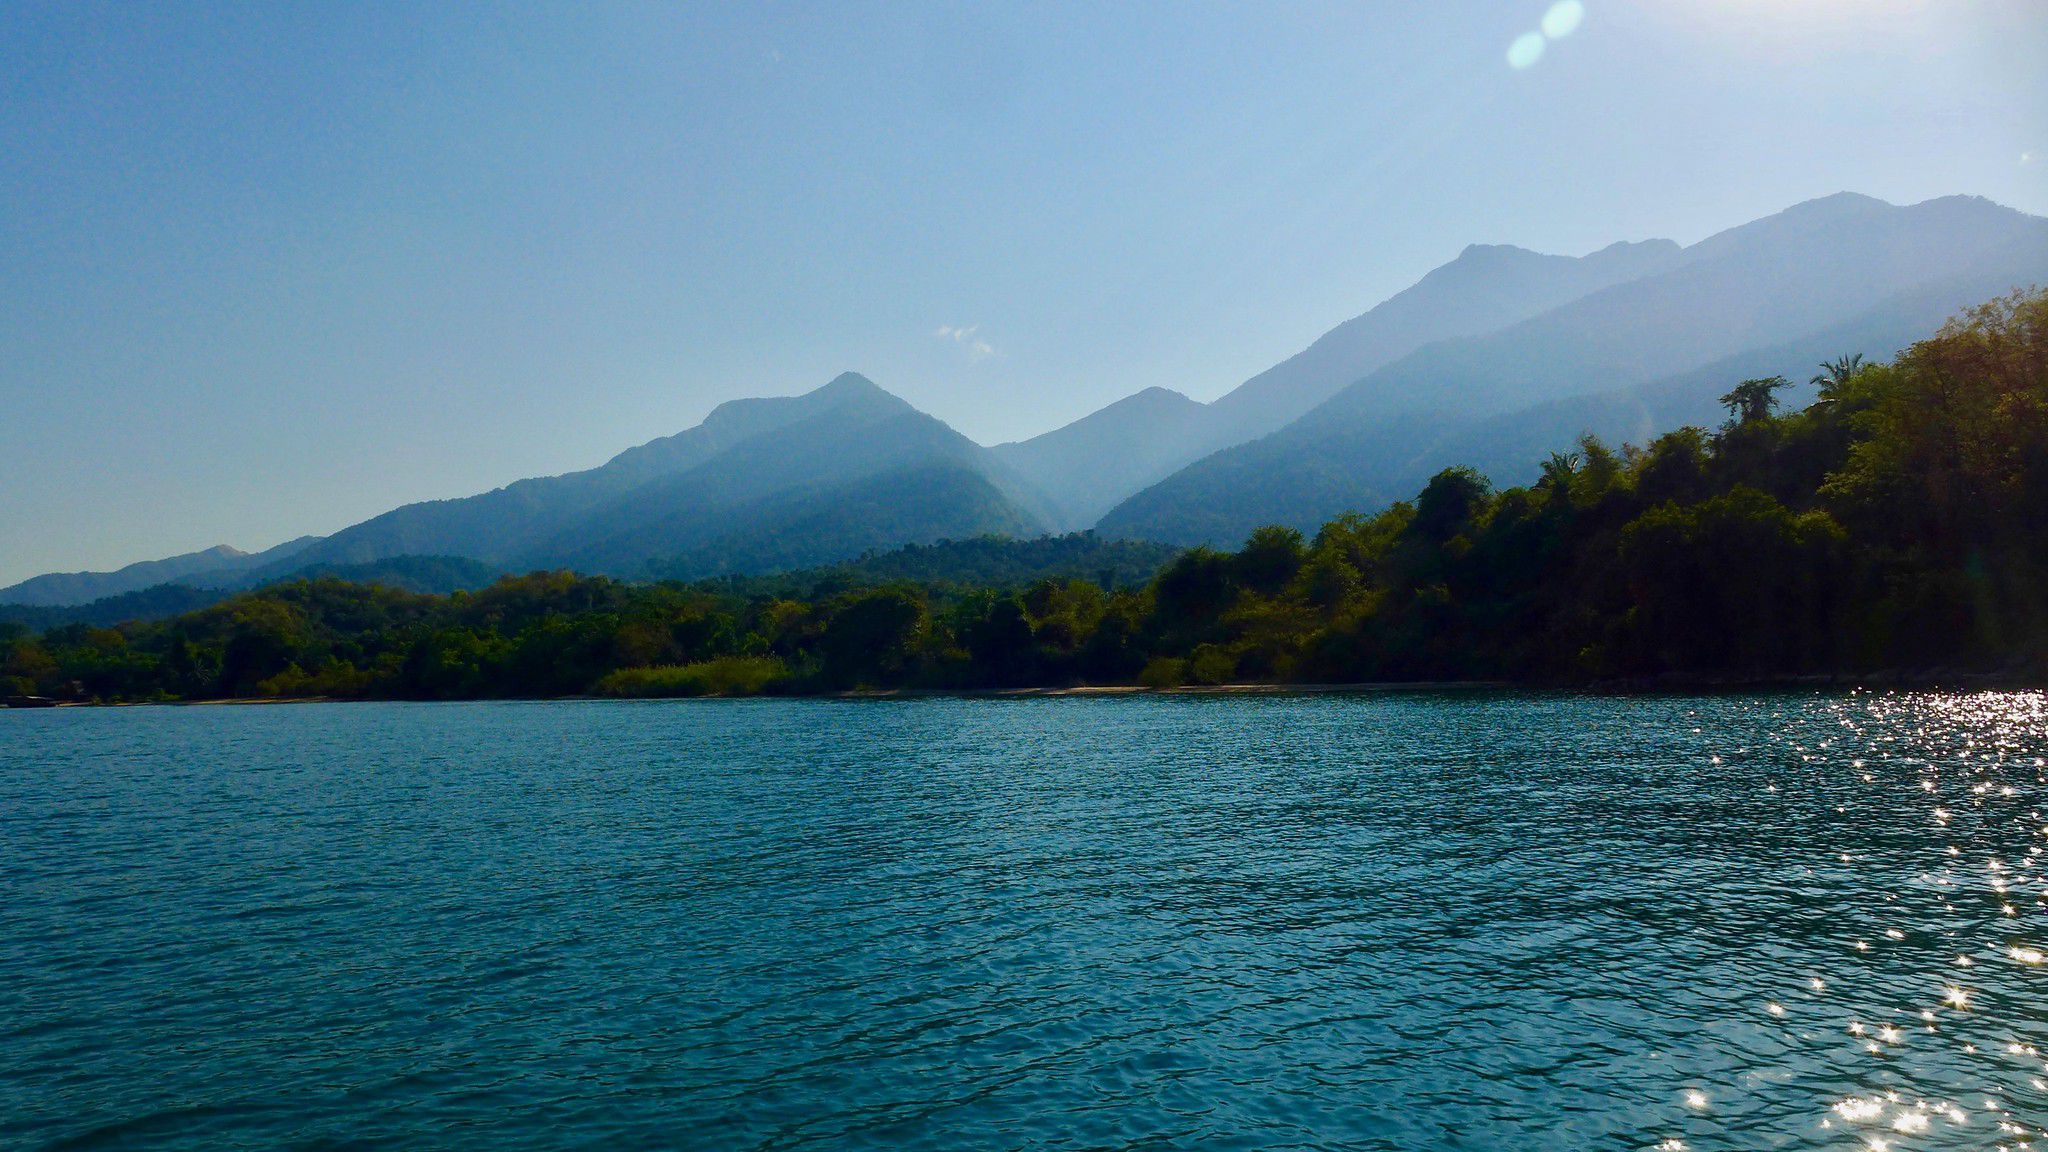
(1749, 289)
(1499, 345)
(675, 494)
(55, 589)
(1091, 464)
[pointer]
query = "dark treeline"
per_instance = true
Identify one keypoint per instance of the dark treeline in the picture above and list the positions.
(1900, 523)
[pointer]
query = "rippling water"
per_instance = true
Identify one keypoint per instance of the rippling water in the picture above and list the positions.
(1382, 921)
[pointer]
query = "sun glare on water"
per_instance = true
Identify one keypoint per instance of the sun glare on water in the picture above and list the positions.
(1918, 1041)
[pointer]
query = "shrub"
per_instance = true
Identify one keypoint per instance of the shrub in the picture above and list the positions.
(1211, 664)
(1164, 672)
(725, 676)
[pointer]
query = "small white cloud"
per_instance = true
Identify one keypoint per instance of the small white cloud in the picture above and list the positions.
(2029, 158)
(976, 348)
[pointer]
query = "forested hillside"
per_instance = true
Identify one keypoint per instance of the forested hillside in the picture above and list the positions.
(1897, 524)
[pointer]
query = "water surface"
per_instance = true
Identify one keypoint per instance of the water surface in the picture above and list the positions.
(1378, 922)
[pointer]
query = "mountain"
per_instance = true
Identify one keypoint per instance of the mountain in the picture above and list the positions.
(1832, 276)
(761, 484)
(1764, 283)
(159, 602)
(974, 563)
(797, 479)
(814, 527)
(1493, 359)
(1087, 467)
(424, 574)
(1488, 287)
(502, 525)
(63, 588)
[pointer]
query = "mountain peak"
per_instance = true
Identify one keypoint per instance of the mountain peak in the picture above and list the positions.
(1493, 252)
(851, 392)
(1157, 395)
(850, 384)
(1841, 200)
(1846, 207)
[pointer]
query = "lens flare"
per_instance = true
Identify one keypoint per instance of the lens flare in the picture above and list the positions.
(1563, 19)
(1526, 50)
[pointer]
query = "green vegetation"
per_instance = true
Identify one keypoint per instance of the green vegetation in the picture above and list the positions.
(153, 603)
(1899, 523)
(725, 676)
(962, 565)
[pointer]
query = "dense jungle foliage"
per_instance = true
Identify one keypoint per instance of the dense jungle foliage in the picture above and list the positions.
(1899, 524)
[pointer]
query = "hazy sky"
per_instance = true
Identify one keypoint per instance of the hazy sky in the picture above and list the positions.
(269, 269)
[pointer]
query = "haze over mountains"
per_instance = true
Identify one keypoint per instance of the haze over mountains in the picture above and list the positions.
(1131, 445)
(1494, 360)
(1839, 275)
(217, 563)
(793, 480)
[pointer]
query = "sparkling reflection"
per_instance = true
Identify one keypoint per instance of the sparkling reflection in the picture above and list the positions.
(1969, 760)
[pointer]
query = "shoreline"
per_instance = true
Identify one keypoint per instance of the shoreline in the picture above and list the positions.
(1652, 686)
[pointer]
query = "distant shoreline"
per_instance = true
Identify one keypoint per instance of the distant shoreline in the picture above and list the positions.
(1660, 686)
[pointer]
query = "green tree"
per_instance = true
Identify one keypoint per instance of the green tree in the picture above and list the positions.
(1449, 504)
(1001, 645)
(1753, 400)
(870, 638)
(1559, 470)
(1834, 375)
(1269, 559)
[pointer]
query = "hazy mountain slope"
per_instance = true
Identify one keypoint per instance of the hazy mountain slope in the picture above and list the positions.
(59, 588)
(1809, 267)
(1510, 448)
(154, 603)
(1488, 287)
(680, 492)
(1087, 466)
(1326, 466)
(806, 473)
(1003, 562)
(503, 525)
(878, 433)
(436, 574)
(849, 396)
(920, 504)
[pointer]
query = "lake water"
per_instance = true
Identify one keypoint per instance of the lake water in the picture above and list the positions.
(1400, 921)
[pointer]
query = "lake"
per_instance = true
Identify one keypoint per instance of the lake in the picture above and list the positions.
(1378, 921)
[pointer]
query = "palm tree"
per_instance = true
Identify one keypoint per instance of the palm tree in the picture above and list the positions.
(1559, 470)
(1753, 399)
(1835, 373)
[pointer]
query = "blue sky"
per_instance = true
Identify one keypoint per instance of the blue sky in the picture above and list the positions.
(266, 269)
